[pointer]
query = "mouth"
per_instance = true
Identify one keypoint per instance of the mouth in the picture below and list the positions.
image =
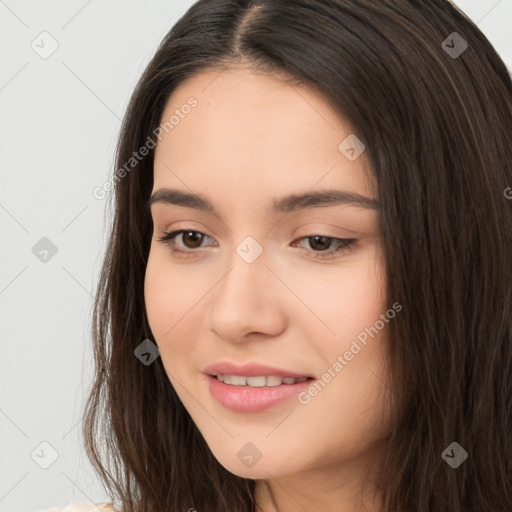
(253, 394)
(258, 381)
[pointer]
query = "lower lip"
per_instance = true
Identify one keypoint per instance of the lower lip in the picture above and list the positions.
(248, 399)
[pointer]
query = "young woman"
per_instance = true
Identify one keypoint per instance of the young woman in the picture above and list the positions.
(305, 303)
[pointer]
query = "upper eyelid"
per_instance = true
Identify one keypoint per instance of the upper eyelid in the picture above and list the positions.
(156, 219)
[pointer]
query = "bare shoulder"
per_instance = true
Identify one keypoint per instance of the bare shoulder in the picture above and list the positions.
(83, 507)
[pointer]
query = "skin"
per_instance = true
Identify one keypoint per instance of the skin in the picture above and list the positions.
(252, 138)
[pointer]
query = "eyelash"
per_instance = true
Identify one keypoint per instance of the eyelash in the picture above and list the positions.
(168, 238)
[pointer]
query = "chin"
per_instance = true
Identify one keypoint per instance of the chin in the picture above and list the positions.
(264, 468)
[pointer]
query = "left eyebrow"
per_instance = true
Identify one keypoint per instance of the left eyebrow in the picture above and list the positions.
(287, 204)
(324, 198)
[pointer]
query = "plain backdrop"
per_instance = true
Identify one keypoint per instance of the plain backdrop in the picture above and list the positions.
(66, 75)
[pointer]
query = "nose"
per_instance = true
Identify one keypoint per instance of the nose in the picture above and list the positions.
(247, 302)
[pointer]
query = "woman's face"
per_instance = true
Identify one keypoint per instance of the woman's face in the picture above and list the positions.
(251, 285)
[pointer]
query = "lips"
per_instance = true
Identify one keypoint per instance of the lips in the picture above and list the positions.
(247, 399)
(252, 370)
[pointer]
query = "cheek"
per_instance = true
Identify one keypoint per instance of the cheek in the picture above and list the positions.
(169, 300)
(169, 296)
(158, 299)
(174, 298)
(344, 300)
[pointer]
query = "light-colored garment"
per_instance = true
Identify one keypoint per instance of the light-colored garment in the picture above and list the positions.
(83, 507)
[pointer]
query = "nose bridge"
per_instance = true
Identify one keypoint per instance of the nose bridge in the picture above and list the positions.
(245, 299)
(242, 286)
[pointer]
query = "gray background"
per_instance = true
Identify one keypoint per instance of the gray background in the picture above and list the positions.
(60, 119)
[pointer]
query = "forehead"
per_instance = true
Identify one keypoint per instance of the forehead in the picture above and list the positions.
(254, 135)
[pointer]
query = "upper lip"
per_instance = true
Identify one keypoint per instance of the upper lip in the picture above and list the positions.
(250, 370)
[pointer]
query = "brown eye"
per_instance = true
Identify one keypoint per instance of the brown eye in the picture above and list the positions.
(322, 246)
(192, 239)
(320, 243)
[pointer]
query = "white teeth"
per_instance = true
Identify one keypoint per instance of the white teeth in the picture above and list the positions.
(272, 380)
(258, 382)
(255, 382)
(236, 380)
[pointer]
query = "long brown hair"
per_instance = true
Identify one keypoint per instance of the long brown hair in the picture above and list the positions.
(434, 110)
